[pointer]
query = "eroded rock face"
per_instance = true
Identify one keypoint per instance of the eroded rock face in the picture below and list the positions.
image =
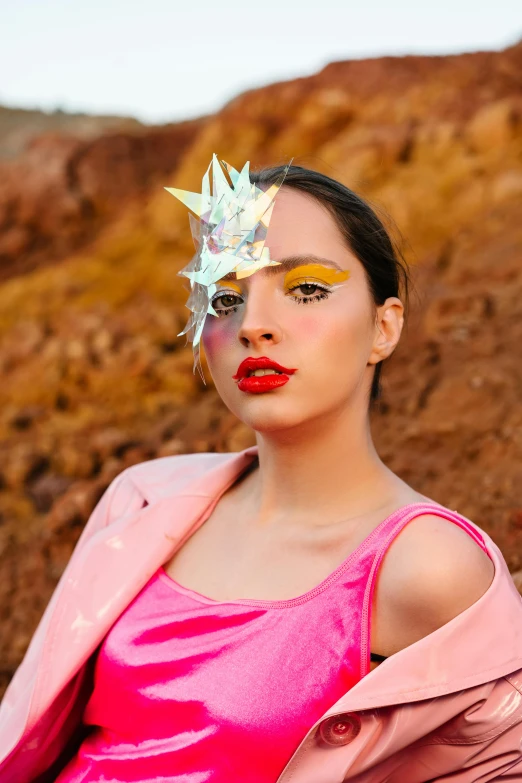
(94, 377)
(63, 190)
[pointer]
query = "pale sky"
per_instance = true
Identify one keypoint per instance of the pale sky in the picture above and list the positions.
(161, 60)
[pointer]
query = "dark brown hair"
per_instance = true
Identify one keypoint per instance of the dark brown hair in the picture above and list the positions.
(363, 231)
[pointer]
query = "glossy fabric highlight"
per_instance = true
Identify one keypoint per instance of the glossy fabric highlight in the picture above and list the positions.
(191, 690)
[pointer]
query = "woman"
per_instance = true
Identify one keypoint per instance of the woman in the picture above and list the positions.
(293, 612)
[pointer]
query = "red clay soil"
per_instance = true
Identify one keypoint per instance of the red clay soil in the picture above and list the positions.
(63, 190)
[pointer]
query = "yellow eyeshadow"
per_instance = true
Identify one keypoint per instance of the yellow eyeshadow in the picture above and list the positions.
(318, 272)
(324, 274)
(229, 284)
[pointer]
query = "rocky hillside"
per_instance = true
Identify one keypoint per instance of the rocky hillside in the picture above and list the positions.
(95, 379)
(70, 182)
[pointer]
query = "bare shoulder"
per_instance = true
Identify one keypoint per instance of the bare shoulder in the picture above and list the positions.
(432, 572)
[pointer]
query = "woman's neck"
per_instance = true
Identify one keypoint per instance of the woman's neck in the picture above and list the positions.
(327, 473)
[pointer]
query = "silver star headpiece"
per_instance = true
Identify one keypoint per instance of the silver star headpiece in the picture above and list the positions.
(229, 237)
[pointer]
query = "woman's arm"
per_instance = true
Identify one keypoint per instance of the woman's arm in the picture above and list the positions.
(432, 572)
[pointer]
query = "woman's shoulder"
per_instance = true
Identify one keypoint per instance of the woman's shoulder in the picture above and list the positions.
(432, 572)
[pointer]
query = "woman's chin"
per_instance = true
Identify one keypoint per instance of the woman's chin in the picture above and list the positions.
(266, 417)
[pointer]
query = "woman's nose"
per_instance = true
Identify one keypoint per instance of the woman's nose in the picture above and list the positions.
(259, 326)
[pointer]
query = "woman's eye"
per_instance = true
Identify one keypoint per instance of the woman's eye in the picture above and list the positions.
(308, 288)
(310, 292)
(225, 303)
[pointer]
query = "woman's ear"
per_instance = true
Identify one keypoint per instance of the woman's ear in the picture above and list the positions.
(389, 320)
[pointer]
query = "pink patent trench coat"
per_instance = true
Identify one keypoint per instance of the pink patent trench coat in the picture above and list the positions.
(448, 707)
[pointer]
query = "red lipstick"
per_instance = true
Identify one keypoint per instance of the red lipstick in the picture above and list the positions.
(255, 384)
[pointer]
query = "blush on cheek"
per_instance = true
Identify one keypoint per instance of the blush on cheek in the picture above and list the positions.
(308, 326)
(217, 335)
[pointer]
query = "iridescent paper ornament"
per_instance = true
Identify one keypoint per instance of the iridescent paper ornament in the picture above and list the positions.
(229, 234)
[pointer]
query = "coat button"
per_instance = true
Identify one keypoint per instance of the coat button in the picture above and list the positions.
(340, 729)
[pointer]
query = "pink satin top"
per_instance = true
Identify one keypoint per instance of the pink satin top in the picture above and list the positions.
(192, 690)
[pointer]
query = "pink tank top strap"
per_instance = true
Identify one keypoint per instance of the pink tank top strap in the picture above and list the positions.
(384, 535)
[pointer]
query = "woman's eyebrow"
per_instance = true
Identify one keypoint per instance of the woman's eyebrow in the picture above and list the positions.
(286, 264)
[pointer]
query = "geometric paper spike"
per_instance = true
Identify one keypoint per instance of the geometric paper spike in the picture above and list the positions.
(229, 232)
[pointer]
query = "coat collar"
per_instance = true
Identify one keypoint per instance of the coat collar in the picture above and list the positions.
(481, 644)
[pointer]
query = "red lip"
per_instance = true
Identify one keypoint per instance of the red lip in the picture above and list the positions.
(261, 363)
(257, 385)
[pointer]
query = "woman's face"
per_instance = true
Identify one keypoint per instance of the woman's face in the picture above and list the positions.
(313, 314)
